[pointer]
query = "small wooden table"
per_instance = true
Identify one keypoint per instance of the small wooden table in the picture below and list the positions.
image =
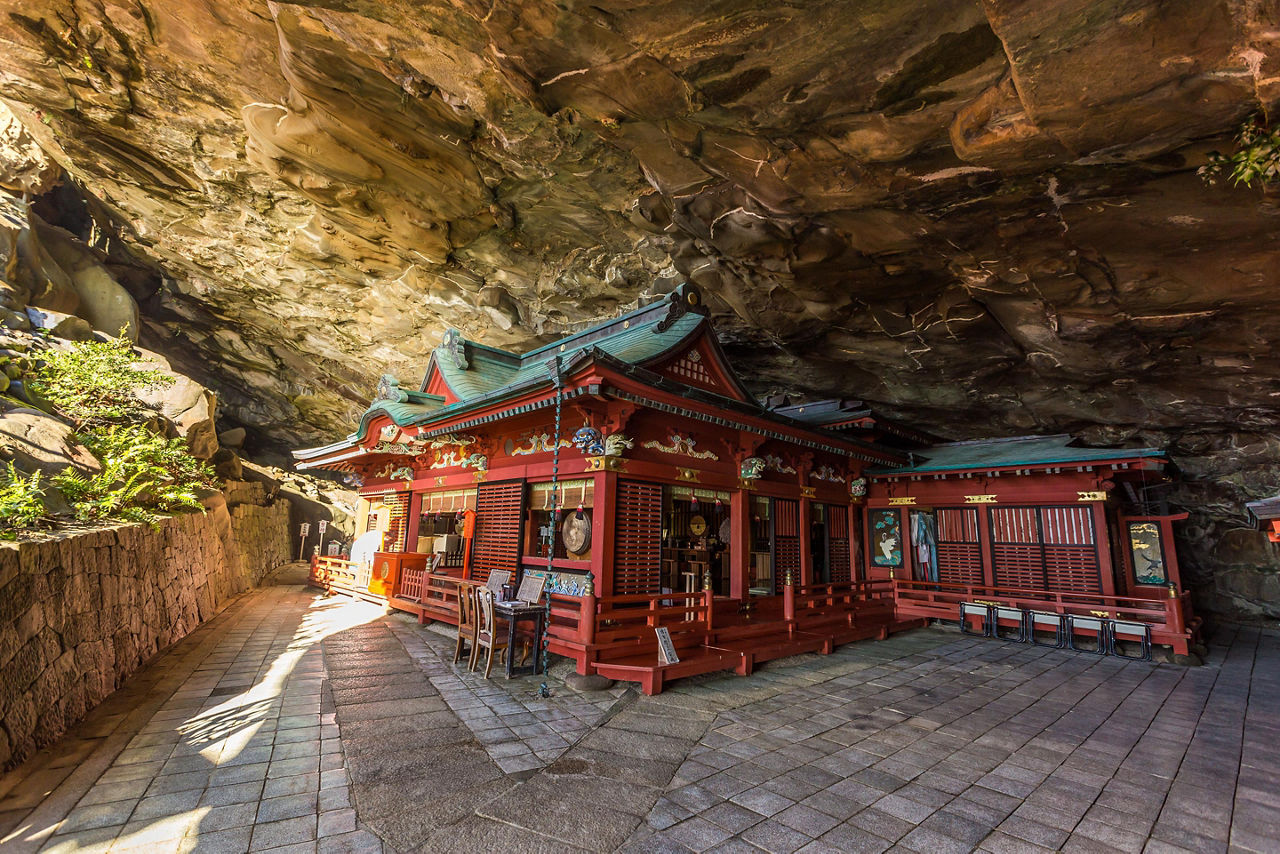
(513, 612)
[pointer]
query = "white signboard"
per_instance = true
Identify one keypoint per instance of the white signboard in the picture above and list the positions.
(306, 529)
(666, 649)
(322, 525)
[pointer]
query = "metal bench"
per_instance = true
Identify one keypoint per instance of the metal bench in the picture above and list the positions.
(1006, 612)
(1047, 621)
(976, 609)
(1139, 631)
(1096, 625)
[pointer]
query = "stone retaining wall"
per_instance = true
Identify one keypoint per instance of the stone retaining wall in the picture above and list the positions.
(80, 613)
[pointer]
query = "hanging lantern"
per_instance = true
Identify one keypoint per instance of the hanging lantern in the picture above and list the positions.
(579, 512)
(719, 503)
(693, 500)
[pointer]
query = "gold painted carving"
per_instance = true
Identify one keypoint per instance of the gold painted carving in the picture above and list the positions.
(980, 499)
(902, 501)
(808, 492)
(1091, 496)
(686, 474)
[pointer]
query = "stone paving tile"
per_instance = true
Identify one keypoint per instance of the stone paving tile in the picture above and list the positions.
(269, 727)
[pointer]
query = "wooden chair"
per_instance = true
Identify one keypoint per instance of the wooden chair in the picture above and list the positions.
(488, 634)
(466, 620)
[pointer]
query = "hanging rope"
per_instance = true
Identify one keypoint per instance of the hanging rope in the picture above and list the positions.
(543, 690)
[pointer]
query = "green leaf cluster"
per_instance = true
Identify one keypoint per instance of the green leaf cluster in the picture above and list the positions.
(96, 382)
(1256, 158)
(141, 471)
(95, 385)
(21, 501)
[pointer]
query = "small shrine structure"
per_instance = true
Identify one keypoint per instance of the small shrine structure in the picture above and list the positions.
(629, 466)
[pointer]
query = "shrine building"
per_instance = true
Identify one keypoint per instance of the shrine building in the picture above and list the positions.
(629, 466)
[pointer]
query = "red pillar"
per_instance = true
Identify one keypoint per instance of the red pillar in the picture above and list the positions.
(984, 545)
(1102, 540)
(805, 523)
(602, 528)
(739, 543)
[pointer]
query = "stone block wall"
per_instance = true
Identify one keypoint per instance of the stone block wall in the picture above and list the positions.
(80, 613)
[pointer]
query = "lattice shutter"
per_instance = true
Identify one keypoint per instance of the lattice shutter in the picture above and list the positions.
(1051, 548)
(499, 510)
(1015, 547)
(786, 541)
(838, 543)
(637, 543)
(1070, 549)
(959, 550)
(397, 520)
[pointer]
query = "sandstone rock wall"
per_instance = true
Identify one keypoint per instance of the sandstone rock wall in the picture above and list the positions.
(80, 613)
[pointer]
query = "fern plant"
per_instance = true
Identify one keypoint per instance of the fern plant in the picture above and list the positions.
(21, 501)
(141, 471)
(96, 382)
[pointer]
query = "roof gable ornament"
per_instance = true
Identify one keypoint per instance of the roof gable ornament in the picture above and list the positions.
(389, 390)
(684, 300)
(455, 348)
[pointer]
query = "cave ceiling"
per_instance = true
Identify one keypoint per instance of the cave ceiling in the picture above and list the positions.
(982, 215)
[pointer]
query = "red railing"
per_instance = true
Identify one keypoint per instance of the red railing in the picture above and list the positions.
(1168, 617)
(331, 573)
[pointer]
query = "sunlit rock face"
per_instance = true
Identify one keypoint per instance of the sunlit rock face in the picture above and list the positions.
(984, 216)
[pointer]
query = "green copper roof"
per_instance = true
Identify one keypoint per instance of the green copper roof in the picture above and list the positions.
(1012, 453)
(489, 370)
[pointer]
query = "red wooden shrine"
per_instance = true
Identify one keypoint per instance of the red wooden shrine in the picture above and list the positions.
(749, 531)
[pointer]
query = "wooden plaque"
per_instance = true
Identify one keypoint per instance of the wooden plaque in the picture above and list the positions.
(666, 649)
(531, 588)
(497, 578)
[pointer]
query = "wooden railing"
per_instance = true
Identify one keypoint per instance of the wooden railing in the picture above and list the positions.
(331, 573)
(1168, 617)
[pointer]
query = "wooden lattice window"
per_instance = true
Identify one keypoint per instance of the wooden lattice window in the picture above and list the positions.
(499, 510)
(786, 542)
(397, 505)
(959, 546)
(637, 544)
(691, 368)
(1045, 548)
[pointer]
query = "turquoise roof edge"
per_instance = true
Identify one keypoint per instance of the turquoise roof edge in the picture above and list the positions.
(1010, 452)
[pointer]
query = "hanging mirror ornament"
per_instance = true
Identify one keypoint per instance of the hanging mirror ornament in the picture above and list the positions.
(575, 532)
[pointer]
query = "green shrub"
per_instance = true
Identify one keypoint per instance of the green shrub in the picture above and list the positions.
(1256, 158)
(95, 382)
(141, 472)
(21, 504)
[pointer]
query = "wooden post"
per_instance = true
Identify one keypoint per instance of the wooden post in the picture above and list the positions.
(604, 514)
(805, 523)
(1102, 542)
(857, 571)
(708, 602)
(413, 522)
(985, 547)
(739, 544)
(587, 616)
(789, 603)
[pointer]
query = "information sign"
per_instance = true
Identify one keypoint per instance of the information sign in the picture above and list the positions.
(666, 649)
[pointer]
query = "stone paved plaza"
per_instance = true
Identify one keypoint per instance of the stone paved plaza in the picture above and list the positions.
(295, 722)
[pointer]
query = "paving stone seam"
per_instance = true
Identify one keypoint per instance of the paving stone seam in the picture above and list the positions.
(55, 807)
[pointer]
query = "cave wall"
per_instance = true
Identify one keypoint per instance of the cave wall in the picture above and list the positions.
(983, 216)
